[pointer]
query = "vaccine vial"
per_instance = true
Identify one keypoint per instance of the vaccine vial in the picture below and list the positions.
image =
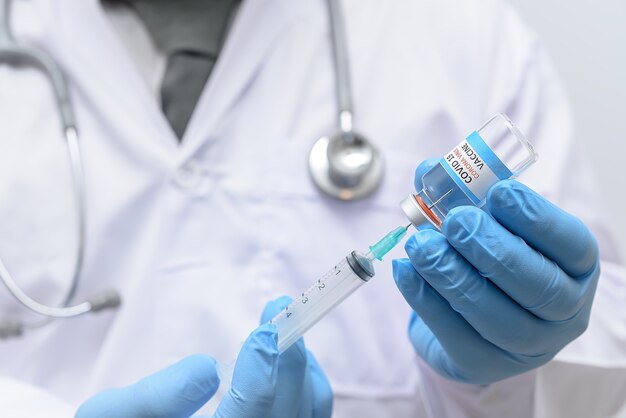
(497, 151)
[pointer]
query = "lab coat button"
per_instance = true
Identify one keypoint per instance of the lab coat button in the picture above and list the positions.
(189, 176)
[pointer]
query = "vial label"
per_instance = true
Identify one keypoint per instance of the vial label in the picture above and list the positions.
(474, 167)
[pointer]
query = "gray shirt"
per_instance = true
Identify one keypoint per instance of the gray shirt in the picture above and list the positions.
(175, 45)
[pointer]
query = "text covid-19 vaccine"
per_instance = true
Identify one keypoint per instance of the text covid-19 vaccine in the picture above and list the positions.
(497, 151)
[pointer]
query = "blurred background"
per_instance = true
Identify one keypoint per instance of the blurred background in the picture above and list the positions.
(587, 40)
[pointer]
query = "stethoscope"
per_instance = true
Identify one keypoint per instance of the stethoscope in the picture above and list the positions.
(13, 51)
(345, 165)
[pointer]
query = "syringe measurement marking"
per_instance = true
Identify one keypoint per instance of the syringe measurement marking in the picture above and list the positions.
(321, 284)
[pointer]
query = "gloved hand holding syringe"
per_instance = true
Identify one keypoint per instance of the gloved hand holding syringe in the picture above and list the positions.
(350, 273)
(331, 289)
(497, 151)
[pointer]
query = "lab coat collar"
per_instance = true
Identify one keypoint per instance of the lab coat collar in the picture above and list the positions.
(94, 57)
(257, 27)
(101, 73)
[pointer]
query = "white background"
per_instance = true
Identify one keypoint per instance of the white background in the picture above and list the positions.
(587, 40)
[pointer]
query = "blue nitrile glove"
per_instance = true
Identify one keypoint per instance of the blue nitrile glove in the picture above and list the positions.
(302, 392)
(258, 384)
(178, 391)
(495, 296)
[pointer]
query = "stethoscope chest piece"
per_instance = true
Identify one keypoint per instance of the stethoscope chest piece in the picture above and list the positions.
(346, 168)
(346, 165)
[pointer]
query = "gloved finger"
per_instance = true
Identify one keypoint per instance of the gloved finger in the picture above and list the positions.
(482, 304)
(430, 350)
(440, 335)
(273, 307)
(254, 379)
(422, 169)
(553, 232)
(175, 392)
(315, 397)
(292, 367)
(529, 278)
(305, 409)
(322, 393)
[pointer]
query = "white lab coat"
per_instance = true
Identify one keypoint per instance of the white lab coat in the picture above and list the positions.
(198, 237)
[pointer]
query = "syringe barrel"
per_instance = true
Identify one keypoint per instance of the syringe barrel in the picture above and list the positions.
(341, 281)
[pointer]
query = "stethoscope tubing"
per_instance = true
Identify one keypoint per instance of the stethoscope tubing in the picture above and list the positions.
(12, 49)
(341, 67)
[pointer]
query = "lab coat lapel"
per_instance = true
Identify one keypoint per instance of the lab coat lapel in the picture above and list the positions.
(94, 58)
(257, 27)
(96, 62)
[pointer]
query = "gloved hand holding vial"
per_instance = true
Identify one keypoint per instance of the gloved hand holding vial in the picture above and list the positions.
(462, 177)
(499, 291)
(461, 181)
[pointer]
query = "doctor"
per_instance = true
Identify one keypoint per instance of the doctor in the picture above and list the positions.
(197, 226)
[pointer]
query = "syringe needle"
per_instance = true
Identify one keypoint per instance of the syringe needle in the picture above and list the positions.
(389, 241)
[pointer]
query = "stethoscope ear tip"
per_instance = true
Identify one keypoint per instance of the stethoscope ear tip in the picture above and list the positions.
(107, 299)
(10, 328)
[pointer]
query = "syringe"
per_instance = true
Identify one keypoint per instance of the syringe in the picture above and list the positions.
(350, 273)
(331, 289)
